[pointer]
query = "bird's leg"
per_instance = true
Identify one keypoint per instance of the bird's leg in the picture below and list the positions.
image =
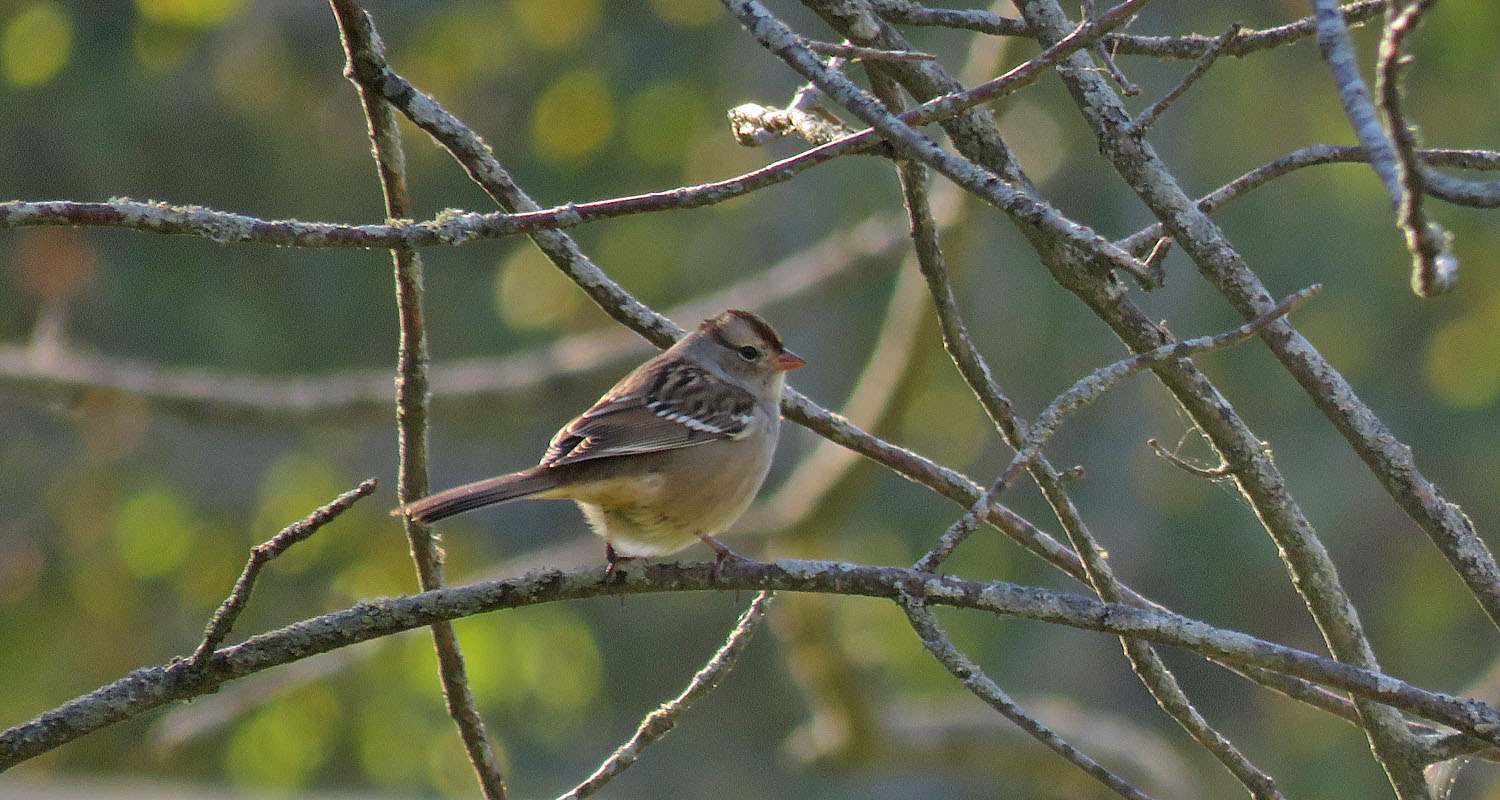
(612, 572)
(722, 554)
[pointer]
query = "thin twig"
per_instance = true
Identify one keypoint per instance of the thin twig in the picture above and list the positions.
(925, 623)
(153, 687)
(66, 373)
(1211, 473)
(1149, 666)
(1086, 390)
(1434, 265)
(1148, 117)
(1313, 572)
(1183, 48)
(1310, 156)
(854, 51)
(775, 36)
(661, 721)
(1127, 87)
(262, 554)
(454, 227)
(363, 44)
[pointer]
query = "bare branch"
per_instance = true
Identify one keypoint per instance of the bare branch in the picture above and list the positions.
(1148, 117)
(363, 44)
(203, 392)
(262, 554)
(661, 721)
(1313, 571)
(1183, 48)
(1435, 267)
(1313, 155)
(776, 37)
(925, 623)
(1425, 243)
(1103, 55)
(152, 687)
(854, 51)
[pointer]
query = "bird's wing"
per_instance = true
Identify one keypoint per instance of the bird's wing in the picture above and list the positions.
(677, 405)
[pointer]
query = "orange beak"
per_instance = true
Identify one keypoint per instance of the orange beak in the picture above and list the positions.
(786, 360)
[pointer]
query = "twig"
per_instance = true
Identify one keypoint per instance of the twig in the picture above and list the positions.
(1102, 53)
(1166, 47)
(1211, 473)
(1149, 666)
(1309, 156)
(1086, 390)
(1435, 267)
(661, 721)
(455, 227)
(262, 554)
(1148, 117)
(776, 37)
(205, 392)
(1337, 47)
(363, 44)
(925, 623)
(152, 687)
(753, 124)
(1313, 572)
(1096, 383)
(854, 51)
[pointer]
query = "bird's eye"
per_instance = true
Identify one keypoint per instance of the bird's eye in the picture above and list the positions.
(749, 353)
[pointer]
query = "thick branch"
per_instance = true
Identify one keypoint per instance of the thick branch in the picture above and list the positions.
(153, 687)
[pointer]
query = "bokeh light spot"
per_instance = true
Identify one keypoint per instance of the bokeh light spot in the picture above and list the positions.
(556, 24)
(152, 531)
(461, 45)
(1462, 366)
(531, 294)
(35, 45)
(688, 13)
(572, 117)
(197, 13)
(54, 263)
(660, 122)
(162, 48)
(281, 746)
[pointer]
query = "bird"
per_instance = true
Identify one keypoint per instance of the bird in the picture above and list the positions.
(672, 455)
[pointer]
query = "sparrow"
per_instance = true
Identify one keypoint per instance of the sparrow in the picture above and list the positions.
(670, 456)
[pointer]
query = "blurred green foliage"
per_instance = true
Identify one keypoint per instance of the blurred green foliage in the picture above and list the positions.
(125, 525)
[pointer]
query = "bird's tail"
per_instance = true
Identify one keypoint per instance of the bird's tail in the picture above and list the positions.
(477, 494)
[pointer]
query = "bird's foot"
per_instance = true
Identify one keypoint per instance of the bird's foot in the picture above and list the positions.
(612, 573)
(721, 554)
